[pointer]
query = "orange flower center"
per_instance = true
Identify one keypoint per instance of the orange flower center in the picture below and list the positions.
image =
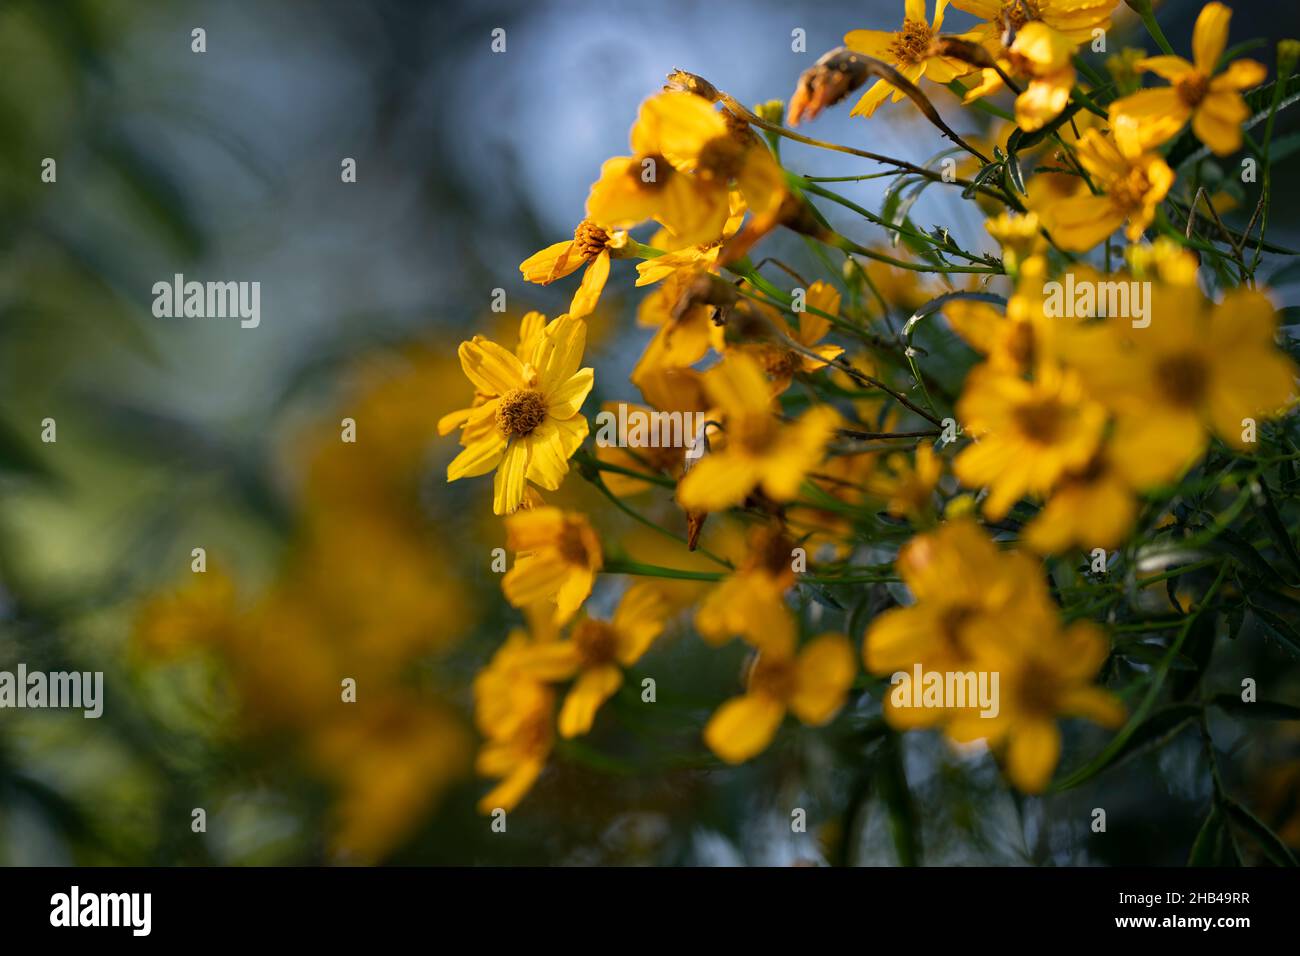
(912, 43)
(590, 239)
(1040, 421)
(1192, 88)
(520, 412)
(596, 642)
(1183, 379)
(772, 677)
(754, 433)
(951, 623)
(778, 363)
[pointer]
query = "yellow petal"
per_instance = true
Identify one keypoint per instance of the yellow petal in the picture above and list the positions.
(743, 727)
(479, 458)
(1210, 36)
(592, 688)
(492, 369)
(553, 262)
(824, 672)
(593, 283)
(1035, 747)
(717, 482)
(508, 486)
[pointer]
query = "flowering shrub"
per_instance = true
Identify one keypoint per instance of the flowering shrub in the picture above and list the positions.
(934, 488)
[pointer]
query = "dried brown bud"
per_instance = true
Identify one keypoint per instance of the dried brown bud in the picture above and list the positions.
(694, 525)
(682, 82)
(834, 76)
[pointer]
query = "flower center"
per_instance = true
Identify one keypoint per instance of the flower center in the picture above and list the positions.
(589, 239)
(1130, 189)
(1182, 378)
(951, 623)
(754, 432)
(1040, 422)
(1192, 87)
(912, 43)
(572, 546)
(778, 363)
(520, 412)
(596, 642)
(1016, 13)
(772, 677)
(651, 172)
(721, 158)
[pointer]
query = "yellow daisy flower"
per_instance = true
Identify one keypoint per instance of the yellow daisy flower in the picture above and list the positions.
(1045, 58)
(1197, 368)
(595, 654)
(1093, 507)
(591, 246)
(1075, 19)
(760, 451)
(907, 49)
(905, 485)
(751, 602)
(1133, 184)
(514, 711)
(530, 327)
(1028, 434)
(1042, 676)
(1213, 102)
(558, 555)
(969, 597)
(812, 683)
(534, 404)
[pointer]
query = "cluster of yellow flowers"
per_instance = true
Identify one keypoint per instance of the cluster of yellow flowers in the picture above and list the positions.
(1077, 416)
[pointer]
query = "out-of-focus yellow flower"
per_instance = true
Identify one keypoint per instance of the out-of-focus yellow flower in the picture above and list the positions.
(591, 246)
(1093, 507)
(535, 405)
(191, 617)
(1042, 676)
(909, 49)
(1028, 434)
(907, 486)
(388, 762)
(595, 653)
(969, 597)
(1163, 260)
(1212, 102)
(515, 712)
(558, 555)
(1133, 183)
(751, 602)
(1020, 237)
(760, 451)
(813, 683)
(781, 362)
(1045, 58)
(1196, 368)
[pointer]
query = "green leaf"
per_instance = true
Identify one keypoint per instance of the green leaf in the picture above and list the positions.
(1268, 841)
(1260, 709)
(1163, 725)
(1207, 849)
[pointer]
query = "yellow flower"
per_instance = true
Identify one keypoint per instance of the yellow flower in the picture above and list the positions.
(595, 653)
(1093, 507)
(908, 50)
(969, 597)
(591, 246)
(907, 487)
(1020, 237)
(1045, 58)
(760, 451)
(1042, 675)
(751, 602)
(1076, 19)
(1197, 368)
(687, 156)
(530, 327)
(1028, 434)
(1212, 102)
(534, 404)
(782, 363)
(558, 557)
(1133, 184)
(812, 683)
(514, 711)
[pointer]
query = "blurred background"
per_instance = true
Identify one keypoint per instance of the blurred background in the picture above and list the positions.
(328, 560)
